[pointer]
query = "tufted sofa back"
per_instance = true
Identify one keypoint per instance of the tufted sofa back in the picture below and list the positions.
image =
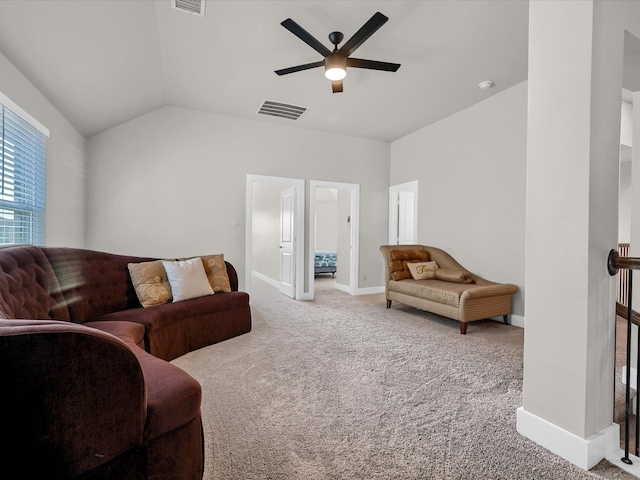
(28, 285)
(93, 283)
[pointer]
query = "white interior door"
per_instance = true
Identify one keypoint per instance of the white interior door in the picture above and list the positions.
(405, 218)
(287, 242)
(403, 213)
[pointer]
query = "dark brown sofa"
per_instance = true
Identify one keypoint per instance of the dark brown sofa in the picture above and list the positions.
(86, 389)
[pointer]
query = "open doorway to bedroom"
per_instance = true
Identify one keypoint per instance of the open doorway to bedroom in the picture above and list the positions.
(333, 236)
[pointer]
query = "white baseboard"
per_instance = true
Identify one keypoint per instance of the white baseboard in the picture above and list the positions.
(517, 320)
(582, 452)
(369, 290)
(266, 279)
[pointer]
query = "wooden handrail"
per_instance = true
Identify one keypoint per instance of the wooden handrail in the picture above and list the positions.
(621, 311)
(616, 262)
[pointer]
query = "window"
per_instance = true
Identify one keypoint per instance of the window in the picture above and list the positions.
(22, 176)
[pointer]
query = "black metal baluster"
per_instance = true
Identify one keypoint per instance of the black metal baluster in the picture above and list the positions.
(626, 458)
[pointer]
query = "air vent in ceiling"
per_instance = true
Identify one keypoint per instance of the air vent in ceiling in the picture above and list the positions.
(196, 7)
(283, 110)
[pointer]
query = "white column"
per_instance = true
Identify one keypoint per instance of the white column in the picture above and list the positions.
(573, 136)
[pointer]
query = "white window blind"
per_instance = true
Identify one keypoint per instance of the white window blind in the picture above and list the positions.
(22, 180)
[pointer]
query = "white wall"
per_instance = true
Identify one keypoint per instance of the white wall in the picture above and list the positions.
(326, 219)
(169, 183)
(65, 195)
(471, 168)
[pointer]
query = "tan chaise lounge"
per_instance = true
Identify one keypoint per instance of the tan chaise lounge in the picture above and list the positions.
(450, 290)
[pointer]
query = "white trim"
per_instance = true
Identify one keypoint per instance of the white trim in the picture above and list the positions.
(583, 452)
(354, 261)
(369, 290)
(264, 278)
(7, 102)
(515, 320)
(300, 223)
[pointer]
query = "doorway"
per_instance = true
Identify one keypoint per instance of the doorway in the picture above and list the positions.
(266, 256)
(338, 218)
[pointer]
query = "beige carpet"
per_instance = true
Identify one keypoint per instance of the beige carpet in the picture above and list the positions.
(342, 388)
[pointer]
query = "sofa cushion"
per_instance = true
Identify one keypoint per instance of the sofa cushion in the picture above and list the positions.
(129, 332)
(173, 396)
(438, 291)
(187, 279)
(422, 270)
(173, 329)
(398, 260)
(453, 275)
(150, 282)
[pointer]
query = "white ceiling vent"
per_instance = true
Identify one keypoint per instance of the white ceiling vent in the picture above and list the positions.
(196, 7)
(283, 110)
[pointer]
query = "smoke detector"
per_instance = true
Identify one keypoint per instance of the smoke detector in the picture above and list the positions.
(486, 84)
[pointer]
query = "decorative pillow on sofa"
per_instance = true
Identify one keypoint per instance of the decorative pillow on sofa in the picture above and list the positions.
(150, 283)
(423, 270)
(398, 260)
(452, 275)
(216, 271)
(187, 279)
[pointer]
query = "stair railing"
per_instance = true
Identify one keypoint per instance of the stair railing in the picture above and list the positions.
(628, 264)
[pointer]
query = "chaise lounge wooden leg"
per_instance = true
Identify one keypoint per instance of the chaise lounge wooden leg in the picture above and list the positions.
(388, 303)
(463, 328)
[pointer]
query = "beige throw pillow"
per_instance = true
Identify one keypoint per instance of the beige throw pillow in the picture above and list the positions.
(452, 275)
(150, 283)
(423, 270)
(217, 272)
(187, 279)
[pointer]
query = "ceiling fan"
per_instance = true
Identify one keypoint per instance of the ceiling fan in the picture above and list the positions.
(336, 62)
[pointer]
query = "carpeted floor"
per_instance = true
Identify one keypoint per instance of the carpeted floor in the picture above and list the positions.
(342, 388)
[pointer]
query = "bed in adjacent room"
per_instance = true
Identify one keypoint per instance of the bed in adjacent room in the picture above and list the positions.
(325, 262)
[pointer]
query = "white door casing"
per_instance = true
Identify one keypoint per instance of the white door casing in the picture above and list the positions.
(287, 242)
(354, 189)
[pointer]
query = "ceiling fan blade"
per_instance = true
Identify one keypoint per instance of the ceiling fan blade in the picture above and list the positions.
(305, 36)
(300, 68)
(365, 32)
(336, 85)
(372, 64)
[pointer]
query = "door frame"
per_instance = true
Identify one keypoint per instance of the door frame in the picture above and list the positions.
(299, 185)
(355, 233)
(394, 192)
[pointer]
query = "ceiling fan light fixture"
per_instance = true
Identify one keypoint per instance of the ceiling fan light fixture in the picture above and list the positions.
(335, 67)
(335, 73)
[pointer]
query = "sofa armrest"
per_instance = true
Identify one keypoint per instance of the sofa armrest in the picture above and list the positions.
(73, 398)
(488, 291)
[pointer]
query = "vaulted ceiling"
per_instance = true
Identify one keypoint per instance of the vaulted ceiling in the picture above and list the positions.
(104, 62)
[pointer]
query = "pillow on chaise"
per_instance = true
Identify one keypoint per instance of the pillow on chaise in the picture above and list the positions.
(423, 270)
(398, 260)
(452, 275)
